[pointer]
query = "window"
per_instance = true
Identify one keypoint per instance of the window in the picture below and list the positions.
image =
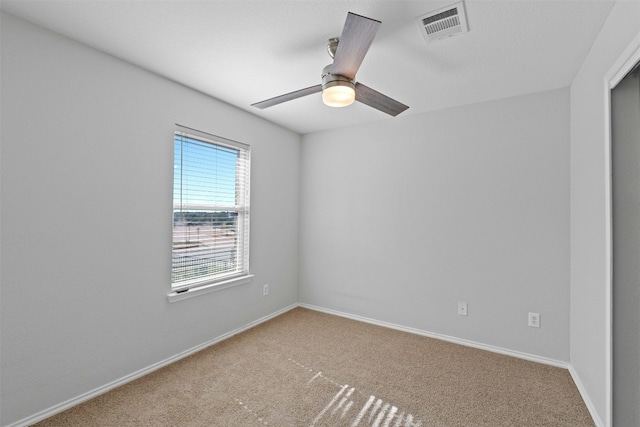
(210, 211)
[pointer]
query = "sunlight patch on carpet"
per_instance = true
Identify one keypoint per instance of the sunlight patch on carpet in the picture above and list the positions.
(374, 412)
(251, 411)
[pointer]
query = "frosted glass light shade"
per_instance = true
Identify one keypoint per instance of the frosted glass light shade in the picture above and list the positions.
(338, 96)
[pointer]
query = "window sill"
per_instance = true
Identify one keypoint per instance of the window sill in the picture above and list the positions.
(205, 289)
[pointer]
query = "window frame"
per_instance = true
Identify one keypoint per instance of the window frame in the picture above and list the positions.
(192, 287)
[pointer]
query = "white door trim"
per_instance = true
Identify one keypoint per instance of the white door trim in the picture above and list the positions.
(617, 72)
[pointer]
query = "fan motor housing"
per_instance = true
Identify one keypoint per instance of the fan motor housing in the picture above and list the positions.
(330, 80)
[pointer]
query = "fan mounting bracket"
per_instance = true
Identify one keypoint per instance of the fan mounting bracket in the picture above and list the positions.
(332, 46)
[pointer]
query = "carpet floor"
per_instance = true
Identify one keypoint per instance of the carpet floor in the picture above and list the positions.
(306, 368)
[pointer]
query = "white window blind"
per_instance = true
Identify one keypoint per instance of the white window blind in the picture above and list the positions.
(210, 210)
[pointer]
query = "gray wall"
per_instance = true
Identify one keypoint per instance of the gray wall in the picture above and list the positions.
(625, 157)
(86, 173)
(589, 335)
(403, 218)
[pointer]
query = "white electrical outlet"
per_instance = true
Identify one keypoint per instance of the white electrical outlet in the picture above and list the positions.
(462, 308)
(265, 290)
(534, 320)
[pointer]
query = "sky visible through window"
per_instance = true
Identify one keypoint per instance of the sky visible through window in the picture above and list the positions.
(204, 175)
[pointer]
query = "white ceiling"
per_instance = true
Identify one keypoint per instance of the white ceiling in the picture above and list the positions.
(246, 51)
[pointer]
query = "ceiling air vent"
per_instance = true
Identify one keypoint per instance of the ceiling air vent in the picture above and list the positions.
(443, 23)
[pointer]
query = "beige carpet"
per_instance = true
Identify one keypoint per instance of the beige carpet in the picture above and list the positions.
(306, 368)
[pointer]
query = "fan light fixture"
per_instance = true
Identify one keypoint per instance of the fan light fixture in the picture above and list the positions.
(337, 91)
(339, 94)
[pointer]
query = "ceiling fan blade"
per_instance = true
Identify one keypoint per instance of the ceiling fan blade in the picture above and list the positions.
(287, 97)
(356, 38)
(381, 102)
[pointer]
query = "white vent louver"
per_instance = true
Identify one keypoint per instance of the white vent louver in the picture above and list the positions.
(443, 23)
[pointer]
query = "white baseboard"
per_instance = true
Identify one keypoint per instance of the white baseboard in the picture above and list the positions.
(585, 397)
(142, 372)
(135, 375)
(493, 349)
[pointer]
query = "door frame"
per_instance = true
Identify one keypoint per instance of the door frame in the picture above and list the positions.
(625, 63)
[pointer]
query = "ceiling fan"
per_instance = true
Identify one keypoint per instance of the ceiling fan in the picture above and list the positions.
(339, 87)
